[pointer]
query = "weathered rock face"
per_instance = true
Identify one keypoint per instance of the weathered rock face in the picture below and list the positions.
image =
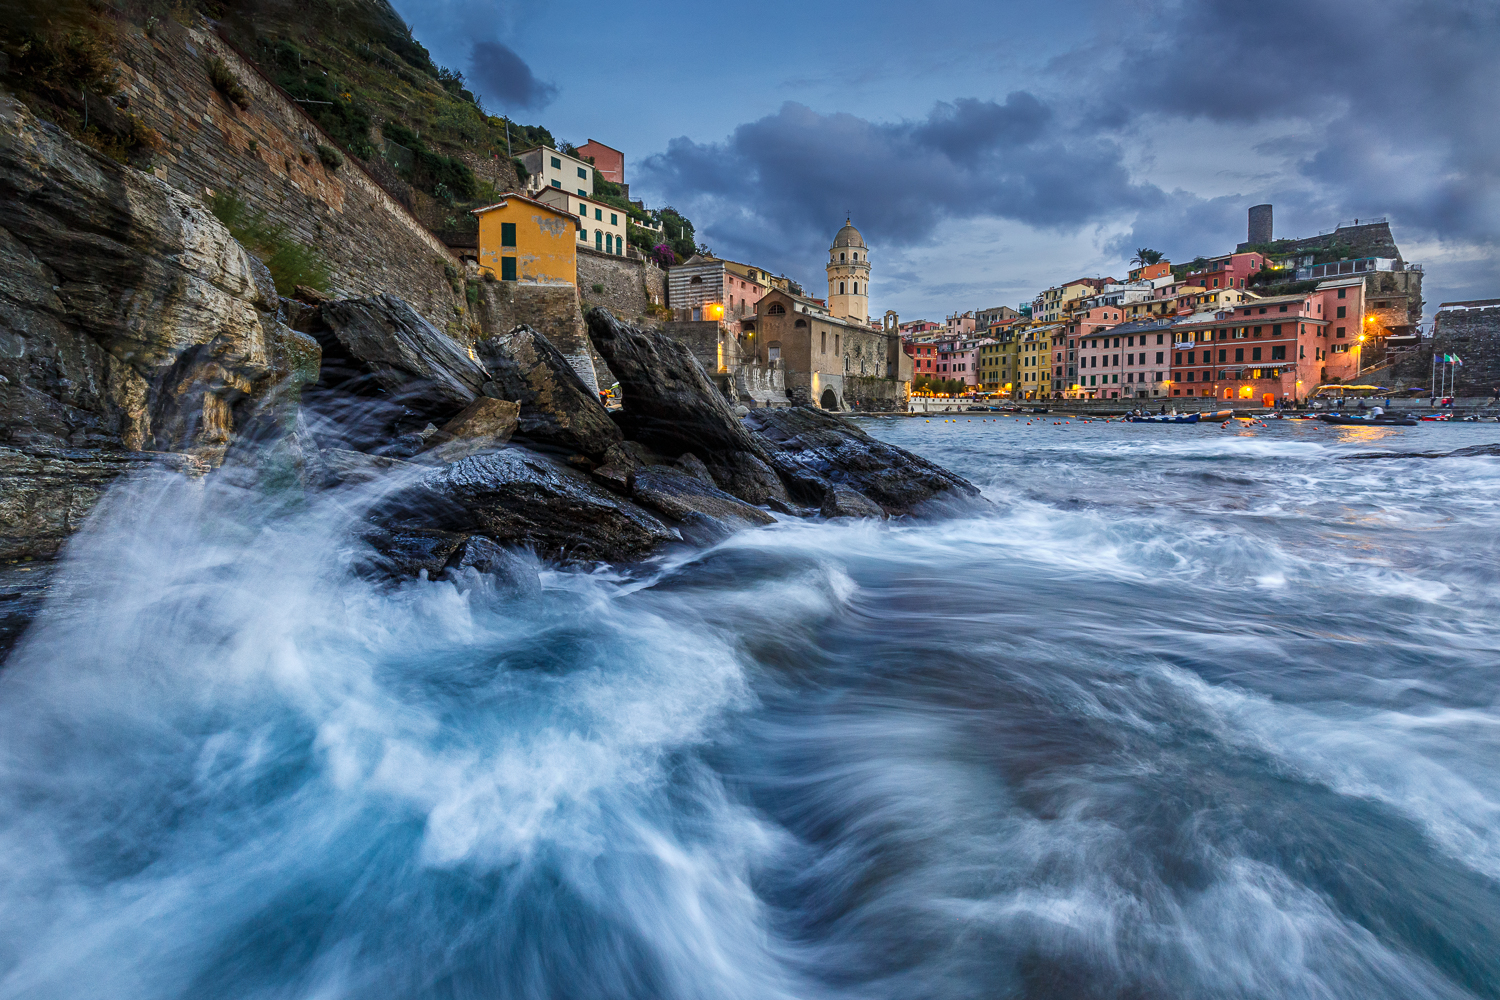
(45, 496)
(129, 317)
(821, 447)
(702, 512)
(672, 408)
(386, 371)
(558, 412)
(518, 498)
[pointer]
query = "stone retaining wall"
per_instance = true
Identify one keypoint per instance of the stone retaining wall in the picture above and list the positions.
(267, 155)
(628, 285)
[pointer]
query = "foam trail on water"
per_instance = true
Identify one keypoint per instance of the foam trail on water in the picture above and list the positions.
(1188, 714)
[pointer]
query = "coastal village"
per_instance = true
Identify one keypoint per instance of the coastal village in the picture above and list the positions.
(1266, 324)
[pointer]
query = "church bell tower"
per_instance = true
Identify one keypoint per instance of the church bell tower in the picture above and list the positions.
(849, 275)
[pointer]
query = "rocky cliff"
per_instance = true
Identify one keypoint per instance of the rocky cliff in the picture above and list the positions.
(134, 331)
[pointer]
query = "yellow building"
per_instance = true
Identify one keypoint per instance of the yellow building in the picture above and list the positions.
(1000, 360)
(603, 225)
(521, 239)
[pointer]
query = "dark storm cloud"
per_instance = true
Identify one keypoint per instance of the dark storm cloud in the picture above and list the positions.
(792, 174)
(503, 78)
(1402, 99)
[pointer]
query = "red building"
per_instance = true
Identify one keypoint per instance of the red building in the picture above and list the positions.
(608, 161)
(1227, 272)
(1261, 351)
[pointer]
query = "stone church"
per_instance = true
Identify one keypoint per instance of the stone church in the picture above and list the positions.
(829, 352)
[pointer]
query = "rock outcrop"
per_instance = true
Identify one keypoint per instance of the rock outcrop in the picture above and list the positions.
(519, 498)
(817, 446)
(559, 413)
(671, 407)
(386, 371)
(134, 330)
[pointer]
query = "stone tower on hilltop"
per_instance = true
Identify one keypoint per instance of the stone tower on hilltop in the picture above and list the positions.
(849, 275)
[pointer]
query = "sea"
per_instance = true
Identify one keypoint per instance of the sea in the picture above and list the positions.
(1175, 711)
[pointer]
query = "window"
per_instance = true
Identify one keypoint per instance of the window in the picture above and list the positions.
(1255, 354)
(583, 208)
(1278, 352)
(598, 239)
(841, 288)
(1239, 354)
(557, 184)
(1276, 330)
(800, 322)
(1159, 337)
(1342, 291)
(855, 288)
(1338, 332)
(1190, 376)
(1223, 356)
(507, 234)
(854, 256)
(598, 215)
(774, 309)
(1343, 311)
(1159, 354)
(1283, 308)
(582, 193)
(614, 220)
(556, 163)
(697, 279)
(507, 269)
(583, 173)
(822, 340)
(841, 256)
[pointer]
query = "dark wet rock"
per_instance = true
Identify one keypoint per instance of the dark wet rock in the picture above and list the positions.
(671, 407)
(386, 371)
(412, 551)
(703, 512)
(512, 573)
(484, 425)
(841, 501)
(822, 447)
(693, 466)
(558, 412)
(519, 498)
(23, 592)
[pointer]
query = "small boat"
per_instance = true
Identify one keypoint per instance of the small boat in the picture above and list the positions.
(1340, 420)
(1182, 418)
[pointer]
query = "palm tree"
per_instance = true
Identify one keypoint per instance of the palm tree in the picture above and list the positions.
(1145, 258)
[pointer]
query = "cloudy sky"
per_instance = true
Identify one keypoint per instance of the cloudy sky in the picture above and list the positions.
(987, 150)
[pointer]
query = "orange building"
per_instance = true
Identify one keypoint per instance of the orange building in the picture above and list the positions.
(521, 239)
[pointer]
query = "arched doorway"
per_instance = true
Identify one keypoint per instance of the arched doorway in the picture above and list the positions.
(829, 400)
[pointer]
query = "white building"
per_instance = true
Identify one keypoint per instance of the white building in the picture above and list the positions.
(547, 168)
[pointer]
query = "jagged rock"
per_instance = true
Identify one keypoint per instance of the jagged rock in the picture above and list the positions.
(671, 407)
(386, 371)
(412, 551)
(693, 466)
(558, 412)
(515, 497)
(704, 512)
(514, 574)
(129, 318)
(841, 501)
(486, 418)
(820, 446)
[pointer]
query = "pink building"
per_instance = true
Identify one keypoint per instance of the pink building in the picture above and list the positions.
(1227, 272)
(957, 359)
